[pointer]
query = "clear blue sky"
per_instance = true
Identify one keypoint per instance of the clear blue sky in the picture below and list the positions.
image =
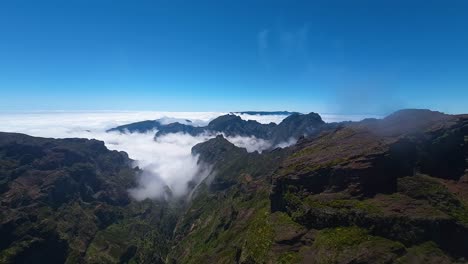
(326, 56)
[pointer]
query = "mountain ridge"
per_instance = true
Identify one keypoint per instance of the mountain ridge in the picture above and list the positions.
(294, 125)
(392, 190)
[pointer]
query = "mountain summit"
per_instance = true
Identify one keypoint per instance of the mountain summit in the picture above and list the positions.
(292, 127)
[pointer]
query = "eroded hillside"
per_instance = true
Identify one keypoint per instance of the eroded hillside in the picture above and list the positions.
(377, 191)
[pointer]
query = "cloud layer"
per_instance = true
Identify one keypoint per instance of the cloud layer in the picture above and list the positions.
(167, 162)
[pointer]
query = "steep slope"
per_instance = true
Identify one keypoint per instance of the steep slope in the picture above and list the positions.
(376, 191)
(225, 220)
(233, 125)
(66, 201)
(298, 125)
(381, 178)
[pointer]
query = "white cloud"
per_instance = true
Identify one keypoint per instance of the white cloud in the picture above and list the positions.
(194, 122)
(285, 144)
(263, 119)
(64, 124)
(250, 143)
(166, 161)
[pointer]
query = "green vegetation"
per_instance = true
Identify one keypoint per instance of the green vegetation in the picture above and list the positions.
(307, 151)
(427, 252)
(8, 255)
(343, 204)
(289, 258)
(429, 189)
(219, 230)
(298, 207)
(284, 220)
(71, 196)
(259, 237)
(129, 241)
(348, 244)
(341, 237)
(294, 204)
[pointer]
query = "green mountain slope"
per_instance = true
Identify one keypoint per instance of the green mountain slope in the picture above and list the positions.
(377, 191)
(66, 201)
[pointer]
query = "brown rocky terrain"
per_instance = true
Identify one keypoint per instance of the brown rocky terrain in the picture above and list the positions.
(393, 190)
(66, 201)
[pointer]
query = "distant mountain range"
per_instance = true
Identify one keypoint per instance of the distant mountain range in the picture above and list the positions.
(391, 190)
(294, 125)
(265, 113)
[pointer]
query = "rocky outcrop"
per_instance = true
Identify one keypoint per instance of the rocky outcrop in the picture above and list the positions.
(229, 162)
(375, 173)
(297, 125)
(66, 201)
(377, 191)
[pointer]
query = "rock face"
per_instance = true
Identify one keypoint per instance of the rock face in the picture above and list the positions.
(387, 177)
(292, 127)
(225, 221)
(298, 125)
(66, 201)
(376, 191)
(233, 125)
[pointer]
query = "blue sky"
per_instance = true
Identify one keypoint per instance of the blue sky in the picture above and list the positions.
(325, 56)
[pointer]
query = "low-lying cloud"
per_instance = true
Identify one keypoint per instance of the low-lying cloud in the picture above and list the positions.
(167, 163)
(264, 119)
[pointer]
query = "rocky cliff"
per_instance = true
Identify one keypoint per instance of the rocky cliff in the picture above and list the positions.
(66, 201)
(377, 191)
(393, 190)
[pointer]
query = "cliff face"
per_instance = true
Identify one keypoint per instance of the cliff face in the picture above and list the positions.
(392, 178)
(224, 223)
(65, 200)
(377, 191)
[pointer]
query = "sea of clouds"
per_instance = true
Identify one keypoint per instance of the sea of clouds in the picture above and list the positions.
(166, 161)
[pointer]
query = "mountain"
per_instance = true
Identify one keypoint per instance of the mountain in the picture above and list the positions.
(298, 125)
(138, 127)
(292, 127)
(265, 113)
(377, 191)
(179, 128)
(66, 201)
(170, 124)
(391, 190)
